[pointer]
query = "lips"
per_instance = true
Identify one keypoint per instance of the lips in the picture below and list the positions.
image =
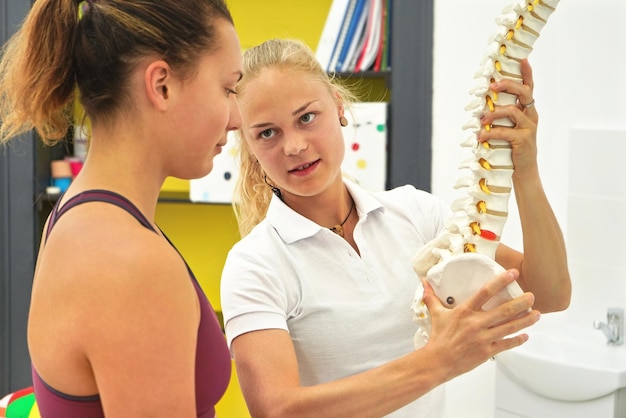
(305, 167)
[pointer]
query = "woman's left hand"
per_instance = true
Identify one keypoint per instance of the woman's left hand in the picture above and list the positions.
(523, 115)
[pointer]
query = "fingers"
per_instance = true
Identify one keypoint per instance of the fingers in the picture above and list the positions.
(505, 336)
(523, 90)
(430, 299)
(522, 137)
(509, 317)
(519, 118)
(470, 334)
(508, 343)
(527, 74)
(489, 290)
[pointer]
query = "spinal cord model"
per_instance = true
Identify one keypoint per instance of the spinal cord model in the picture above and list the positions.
(458, 262)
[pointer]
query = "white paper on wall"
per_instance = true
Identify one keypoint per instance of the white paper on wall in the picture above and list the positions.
(365, 158)
(218, 185)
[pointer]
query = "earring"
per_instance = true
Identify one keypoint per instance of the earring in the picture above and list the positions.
(275, 189)
(343, 121)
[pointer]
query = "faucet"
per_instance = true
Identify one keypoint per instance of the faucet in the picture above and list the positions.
(614, 326)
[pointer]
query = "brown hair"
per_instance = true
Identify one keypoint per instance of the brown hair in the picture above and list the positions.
(55, 52)
(252, 193)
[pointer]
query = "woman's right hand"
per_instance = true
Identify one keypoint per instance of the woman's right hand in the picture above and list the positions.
(468, 335)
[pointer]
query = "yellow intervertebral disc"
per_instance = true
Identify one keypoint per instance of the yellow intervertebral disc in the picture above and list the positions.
(469, 248)
(484, 164)
(483, 186)
(489, 100)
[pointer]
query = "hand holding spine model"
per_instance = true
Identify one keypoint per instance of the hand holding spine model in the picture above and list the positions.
(458, 262)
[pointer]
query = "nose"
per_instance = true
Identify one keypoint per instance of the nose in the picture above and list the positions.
(295, 143)
(234, 122)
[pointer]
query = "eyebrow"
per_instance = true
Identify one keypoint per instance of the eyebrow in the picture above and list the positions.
(294, 113)
(240, 75)
(301, 108)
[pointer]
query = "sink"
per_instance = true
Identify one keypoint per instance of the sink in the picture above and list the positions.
(566, 363)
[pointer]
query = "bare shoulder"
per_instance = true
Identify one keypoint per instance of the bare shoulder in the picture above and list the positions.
(103, 280)
(100, 247)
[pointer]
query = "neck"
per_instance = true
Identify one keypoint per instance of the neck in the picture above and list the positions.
(338, 229)
(111, 165)
(327, 209)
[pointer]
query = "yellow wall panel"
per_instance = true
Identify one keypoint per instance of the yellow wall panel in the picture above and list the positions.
(259, 20)
(172, 184)
(232, 404)
(203, 234)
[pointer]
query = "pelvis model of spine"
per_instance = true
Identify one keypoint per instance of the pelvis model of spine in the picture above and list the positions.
(458, 262)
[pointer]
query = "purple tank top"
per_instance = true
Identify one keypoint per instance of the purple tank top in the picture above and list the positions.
(213, 365)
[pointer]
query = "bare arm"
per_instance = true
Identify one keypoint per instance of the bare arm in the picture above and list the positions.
(461, 339)
(143, 354)
(543, 266)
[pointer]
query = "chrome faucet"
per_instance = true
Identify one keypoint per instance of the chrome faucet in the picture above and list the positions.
(614, 326)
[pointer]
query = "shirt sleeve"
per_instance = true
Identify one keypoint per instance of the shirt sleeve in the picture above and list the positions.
(252, 297)
(426, 210)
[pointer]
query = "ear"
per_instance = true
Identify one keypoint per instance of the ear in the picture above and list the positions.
(157, 79)
(339, 102)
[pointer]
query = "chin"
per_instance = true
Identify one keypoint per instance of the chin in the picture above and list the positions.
(195, 174)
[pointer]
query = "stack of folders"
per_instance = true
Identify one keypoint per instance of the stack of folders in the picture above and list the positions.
(356, 36)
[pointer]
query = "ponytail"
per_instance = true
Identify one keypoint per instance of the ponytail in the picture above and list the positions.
(92, 47)
(37, 76)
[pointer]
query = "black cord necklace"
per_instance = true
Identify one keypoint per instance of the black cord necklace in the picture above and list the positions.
(338, 229)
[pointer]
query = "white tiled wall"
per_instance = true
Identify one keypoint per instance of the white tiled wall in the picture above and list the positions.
(580, 86)
(596, 210)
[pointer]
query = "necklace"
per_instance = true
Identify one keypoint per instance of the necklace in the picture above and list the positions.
(338, 229)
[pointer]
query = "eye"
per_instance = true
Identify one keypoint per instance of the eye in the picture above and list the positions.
(450, 300)
(266, 134)
(307, 117)
(230, 91)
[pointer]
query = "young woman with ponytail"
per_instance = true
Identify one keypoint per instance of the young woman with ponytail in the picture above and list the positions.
(118, 326)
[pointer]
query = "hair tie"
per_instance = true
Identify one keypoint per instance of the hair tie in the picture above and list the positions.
(83, 7)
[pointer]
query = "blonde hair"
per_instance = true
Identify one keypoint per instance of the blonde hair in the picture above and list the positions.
(252, 193)
(55, 53)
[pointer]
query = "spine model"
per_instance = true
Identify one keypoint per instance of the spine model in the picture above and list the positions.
(461, 260)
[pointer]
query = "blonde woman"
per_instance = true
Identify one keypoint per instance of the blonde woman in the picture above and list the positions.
(317, 294)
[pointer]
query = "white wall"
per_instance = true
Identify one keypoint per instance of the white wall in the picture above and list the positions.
(579, 65)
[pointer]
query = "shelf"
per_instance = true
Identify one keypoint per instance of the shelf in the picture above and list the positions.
(362, 74)
(174, 197)
(182, 197)
(365, 75)
(164, 197)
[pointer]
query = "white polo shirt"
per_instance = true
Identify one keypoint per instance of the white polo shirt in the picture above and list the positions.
(345, 313)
